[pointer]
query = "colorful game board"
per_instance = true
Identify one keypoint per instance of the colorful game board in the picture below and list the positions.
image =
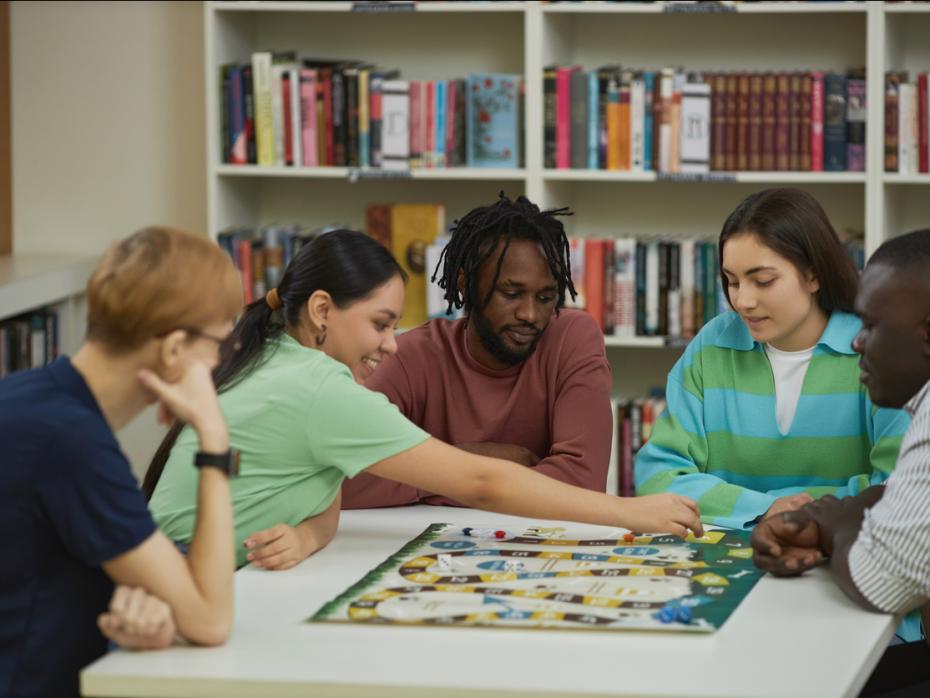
(542, 577)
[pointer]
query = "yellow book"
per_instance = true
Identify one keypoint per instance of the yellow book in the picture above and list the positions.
(413, 228)
(264, 118)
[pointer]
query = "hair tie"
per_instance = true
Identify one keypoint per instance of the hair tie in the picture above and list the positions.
(273, 299)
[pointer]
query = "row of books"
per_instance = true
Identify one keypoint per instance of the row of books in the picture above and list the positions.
(634, 287)
(281, 110)
(412, 232)
(907, 121)
(633, 423)
(670, 120)
(28, 341)
(666, 288)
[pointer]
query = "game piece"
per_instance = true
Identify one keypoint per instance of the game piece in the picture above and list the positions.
(572, 578)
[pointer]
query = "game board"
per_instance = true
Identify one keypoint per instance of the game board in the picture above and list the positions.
(554, 577)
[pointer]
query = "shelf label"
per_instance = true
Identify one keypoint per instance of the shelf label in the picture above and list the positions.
(383, 6)
(695, 177)
(697, 7)
(356, 173)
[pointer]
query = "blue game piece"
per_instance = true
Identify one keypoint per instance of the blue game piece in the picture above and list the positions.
(467, 530)
(683, 615)
(666, 614)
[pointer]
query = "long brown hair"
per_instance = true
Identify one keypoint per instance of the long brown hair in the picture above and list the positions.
(793, 223)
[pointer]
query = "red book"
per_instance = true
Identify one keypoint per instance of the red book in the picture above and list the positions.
(742, 123)
(327, 75)
(729, 127)
(804, 108)
(430, 149)
(563, 121)
(768, 122)
(755, 122)
(414, 124)
(245, 269)
(718, 97)
(308, 116)
(923, 156)
(782, 120)
(794, 122)
(816, 117)
(288, 125)
(594, 280)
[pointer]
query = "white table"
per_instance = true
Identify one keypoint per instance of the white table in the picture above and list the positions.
(797, 637)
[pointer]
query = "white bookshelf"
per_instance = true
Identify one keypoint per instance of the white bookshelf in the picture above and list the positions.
(34, 282)
(433, 40)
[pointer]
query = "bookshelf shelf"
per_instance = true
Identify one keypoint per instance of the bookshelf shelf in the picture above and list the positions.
(712, 177)
(32, 281)
(900, 9)
(805, 8)
(354, 174)
(352, 7)
(891, 178)
(642, 343)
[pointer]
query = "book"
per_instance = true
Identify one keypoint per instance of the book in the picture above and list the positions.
(395, 124)
(578, 128)
(816, 118)
(855, 122)
(413, 228)
(308, 117)
(834, 122)
(378, 223)
(264, 117)
(892, 84)
(492, 120)
(695, 127)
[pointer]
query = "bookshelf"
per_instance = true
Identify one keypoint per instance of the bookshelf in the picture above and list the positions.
(435, 40)
(54, 282)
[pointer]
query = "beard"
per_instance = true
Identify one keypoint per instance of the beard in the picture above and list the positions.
(494, 345)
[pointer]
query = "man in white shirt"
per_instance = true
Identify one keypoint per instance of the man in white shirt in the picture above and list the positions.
(879, 541)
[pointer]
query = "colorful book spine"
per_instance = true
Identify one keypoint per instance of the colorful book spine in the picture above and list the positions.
(855, 124)
(439, 154)
(308, 117)
(563, 118)
(649, 85)
(834, 123)
(593, 133)
(364, 119)
(816, 118)
(264, 113)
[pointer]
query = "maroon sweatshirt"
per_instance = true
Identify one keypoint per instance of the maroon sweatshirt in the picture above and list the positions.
(556, 403)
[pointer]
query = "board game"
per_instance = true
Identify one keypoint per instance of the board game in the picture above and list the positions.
(554, 577)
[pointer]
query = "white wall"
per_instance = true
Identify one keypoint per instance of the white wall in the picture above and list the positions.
(107, 130)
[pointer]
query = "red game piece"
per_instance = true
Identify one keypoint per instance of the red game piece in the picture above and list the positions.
(500, 534)
(629, 537)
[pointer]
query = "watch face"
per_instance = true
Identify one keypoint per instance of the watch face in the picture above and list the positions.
(233, 462)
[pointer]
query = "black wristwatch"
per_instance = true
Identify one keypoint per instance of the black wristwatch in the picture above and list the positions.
(227, 462)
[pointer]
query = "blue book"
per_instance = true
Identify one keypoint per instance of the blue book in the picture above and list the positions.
(834, 122)
(593, 133)
(649, 81)
(439, 152)
(492, 108)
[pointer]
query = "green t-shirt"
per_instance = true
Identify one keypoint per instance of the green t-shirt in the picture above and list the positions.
(301, 425)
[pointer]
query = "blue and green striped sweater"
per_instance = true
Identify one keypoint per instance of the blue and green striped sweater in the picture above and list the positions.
(718, 441)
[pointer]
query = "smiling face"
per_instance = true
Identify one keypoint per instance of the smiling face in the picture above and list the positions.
(895, 337)
(362, 333)
(774, 298)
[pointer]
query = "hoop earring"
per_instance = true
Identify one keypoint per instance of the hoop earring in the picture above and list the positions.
(320, 338)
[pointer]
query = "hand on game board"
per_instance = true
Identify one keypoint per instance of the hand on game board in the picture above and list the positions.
(511, 452)
(788, 503)
(787, 544)
(663, 513)
(137, 620)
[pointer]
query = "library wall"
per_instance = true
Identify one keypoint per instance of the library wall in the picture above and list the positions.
(108, 132)
(108, 121)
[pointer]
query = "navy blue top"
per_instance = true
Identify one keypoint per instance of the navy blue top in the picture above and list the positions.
(68, 502)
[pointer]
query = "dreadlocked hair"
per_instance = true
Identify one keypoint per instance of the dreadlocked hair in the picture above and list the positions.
(475, 236)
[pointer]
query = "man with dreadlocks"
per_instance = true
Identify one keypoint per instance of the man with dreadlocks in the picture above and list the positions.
(515, 378)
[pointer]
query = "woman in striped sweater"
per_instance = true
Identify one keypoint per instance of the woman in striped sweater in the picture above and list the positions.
(765, 408)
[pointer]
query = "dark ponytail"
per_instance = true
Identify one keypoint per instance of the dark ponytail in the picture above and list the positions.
(347, 264)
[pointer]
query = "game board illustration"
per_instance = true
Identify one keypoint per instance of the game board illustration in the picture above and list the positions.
(554, 577)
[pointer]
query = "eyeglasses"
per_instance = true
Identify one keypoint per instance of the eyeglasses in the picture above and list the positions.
(226, 346)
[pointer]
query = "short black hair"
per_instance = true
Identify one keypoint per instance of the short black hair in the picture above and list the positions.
(905, 252)
(475, 236)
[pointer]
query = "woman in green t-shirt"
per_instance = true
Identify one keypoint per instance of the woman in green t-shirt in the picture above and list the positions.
(291, 395)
